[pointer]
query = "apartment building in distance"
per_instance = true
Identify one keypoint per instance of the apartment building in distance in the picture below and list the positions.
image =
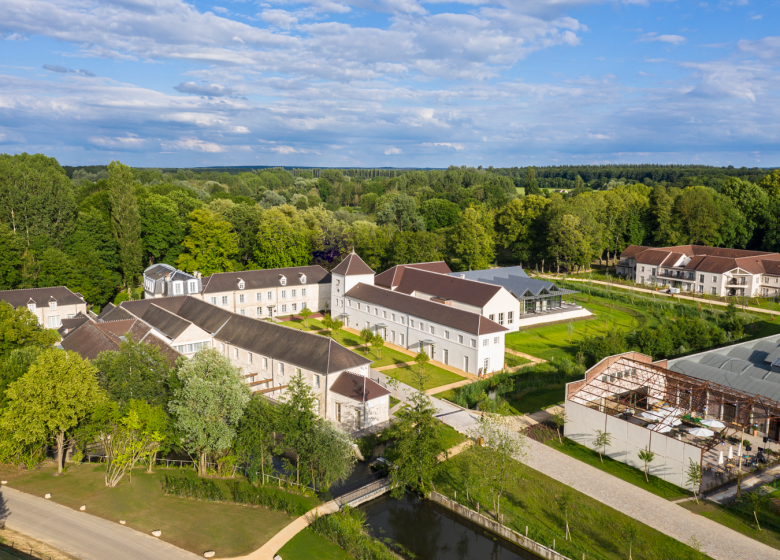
(704, 270)
(49, 305)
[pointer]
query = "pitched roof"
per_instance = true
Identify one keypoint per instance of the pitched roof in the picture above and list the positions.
(116, 313)
(460, 319)
(41, 297)
(118, 328)
(267, 278)
(657, 257)
(632, 251)
(358, 387)
(516, 281)
(391, 277)
(352, 266)
(161, 270)
(168, 323)
(446, 286)
(69, 325)
(88, 340)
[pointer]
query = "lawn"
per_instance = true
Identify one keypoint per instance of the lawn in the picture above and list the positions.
(450, 437)
(314, 324)
(511, 360)
(307, 545)
(635, 476)
(229, 529)
(742, 522)
(389, 356)
(345, 338)
(393, 401)
(539, 399)
(553, 341)
(598, 531)
(436, 376)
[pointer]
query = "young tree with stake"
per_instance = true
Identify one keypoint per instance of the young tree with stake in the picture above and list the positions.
(559, 419)
(647, 457)
(601, 441)
(305, 314)
(367, 336)
(693, 475)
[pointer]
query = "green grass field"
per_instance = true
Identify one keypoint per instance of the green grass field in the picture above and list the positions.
(314, 324)
(308, 545)
(620, 470)
(229, 529)
(742, 522)
(449, 437)
(534, 401)
(345, 338)
(598, 531)
(553, 341)
(436, 376)
(512, 360)
(389, 356)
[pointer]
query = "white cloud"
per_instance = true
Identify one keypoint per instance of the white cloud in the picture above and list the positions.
(129, 142)
(284, 150)
(208, 90)
(62, 70)
(392, 151)
(193, 144)
(655, 37)
(15, 37)
(455, 146)
(759, 16)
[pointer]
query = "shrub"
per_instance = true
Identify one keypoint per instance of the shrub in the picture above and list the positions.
(198, 488)
(247, 494)
(345, 528)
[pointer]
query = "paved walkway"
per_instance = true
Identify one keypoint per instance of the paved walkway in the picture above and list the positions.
(748, 484)
(394, 366)
(718, 541)
(534, 359)
(80, 534)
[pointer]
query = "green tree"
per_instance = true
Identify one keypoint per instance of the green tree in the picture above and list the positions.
(470, 243)
(439, 213)
(245, 220)
(371, 241)
(281, 243)
(559, 419)
(305, 314)
(378, 343)
(564, 502)
(756, 499)
(399, 210)
(256, 436)
(297, 418)
(56, 394)
(771, 183)
(630, 532)
(415, 246)
(36, 197)
(208, 405)
(421, 359)
(693, 477)
(137, 371)
(566, 241)
(417, 445)
(367, 336)
(162, 229)
(330, 454)
(531, 184)
(601, 441)
(125, 219)
(335, 327)
(647, 457)
(14, 366)
(211, 244)
(11, 255)
(20, 328)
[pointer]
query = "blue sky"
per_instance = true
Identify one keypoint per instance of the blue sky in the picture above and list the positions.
(391, 82)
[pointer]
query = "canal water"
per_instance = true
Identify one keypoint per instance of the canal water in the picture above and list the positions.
(432, 532)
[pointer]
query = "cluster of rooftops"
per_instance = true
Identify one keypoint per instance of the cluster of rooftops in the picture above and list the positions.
(701, 258)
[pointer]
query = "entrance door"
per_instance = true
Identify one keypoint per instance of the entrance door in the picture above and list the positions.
(465, 363)
(774, 429)
(446, 357)
(433, 352)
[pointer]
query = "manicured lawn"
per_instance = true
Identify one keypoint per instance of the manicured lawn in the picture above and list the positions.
(742, 522)
(308, 545)
(553, 341)
(346, 338)
(314, 324)
(536, 400)
(512, 360)
(393, 401)
(436, 376)
(229, 529)
(449, 437)
(446, 394)
(597, 530)
(389, 356)
(620, 470)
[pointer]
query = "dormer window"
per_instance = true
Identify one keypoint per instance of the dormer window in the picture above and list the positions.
(193, 286)
(303, 278)
(53, 305)
(31, 306)
(283, 281)
(241, 284)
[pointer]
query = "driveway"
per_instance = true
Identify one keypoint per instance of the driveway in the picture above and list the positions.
(81, 534)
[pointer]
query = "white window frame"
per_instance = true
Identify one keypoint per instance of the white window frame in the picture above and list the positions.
(269, 296)
(193, 286)
(241, 284)
(214, 301)
(178, 288)
(240, 298)
(53, 305)
(303, 292)
(283, 281)
(303, 280)
(259, 311)
(224, 300)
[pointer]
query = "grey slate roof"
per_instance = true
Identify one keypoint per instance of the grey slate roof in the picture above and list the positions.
(446, 286)
(391, 277)
(116, 313)
(516, 281)
(168, 323)
(161, 270)
(89, 340)
(353, 265)
(41, 296)
(358, 387)
(446, 315)
(268, 278)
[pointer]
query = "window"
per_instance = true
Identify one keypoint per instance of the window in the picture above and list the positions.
(358, 305)
(492, 317)
(495, 340)
(191, 348)
(384, 314)
(432, 330)
(376, 311)
(53, 305)
(242, 311)
(402, 338)
(714, 291)
(281, 369)
(652, 272)
(292, 294)
(501, 319)
(303, 281)
(265, 363)
(284, 309)
(213, 301)
(510, 317)
(766, 279)
(701, 289)
(241, 285)
(392, 336)
(411, 323)
(393, 316)
(193, 287)
(641, 279)
(486, 365)
(304, 306)
(473, 342)
(485, 342)
(259, 311)
(460, 339)
(701, 277)
(368, 309)
(54, 322)
(303, 292)
(465, 363)
(714, 278)
(235, 353)
(422, 326)
(177, 288)
(447, 335)
(284, 294)
(446, 357)
(283, 281)
(269, 296)
(249, 357)
(403, 320)
(224, 300)
(338, 412)
(294, 307)
(240, 298)
(643, 269)
(316, 381)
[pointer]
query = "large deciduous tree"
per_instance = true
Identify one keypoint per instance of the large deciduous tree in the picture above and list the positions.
(399, 210)
(471, 243)
(297, 418)
(281, 243)
(20, 328)
(211, 244)
(208, 406)
(162, 228)
(58, 392)
(125, 219)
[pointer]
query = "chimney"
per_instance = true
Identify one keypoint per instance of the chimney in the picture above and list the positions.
(167, 277)
(463, 276)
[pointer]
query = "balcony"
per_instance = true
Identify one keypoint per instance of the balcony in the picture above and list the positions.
(737, 281)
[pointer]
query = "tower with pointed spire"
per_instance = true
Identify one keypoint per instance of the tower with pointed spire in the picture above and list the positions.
(348, 274)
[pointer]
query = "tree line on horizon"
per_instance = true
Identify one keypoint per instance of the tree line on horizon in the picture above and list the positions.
(95, 229)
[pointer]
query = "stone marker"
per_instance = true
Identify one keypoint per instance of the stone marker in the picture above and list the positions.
(209, 554)
(83, 508)
(157, 533)
(3, 482)
(47, 496)
(122, 521)
(277, 557)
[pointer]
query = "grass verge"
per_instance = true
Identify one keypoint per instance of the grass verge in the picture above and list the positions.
(314, 324)
(436, 376)
(389, 357)
(598, 531)
(512, 360)
(536, 400)
(229, 529)
(307, 545)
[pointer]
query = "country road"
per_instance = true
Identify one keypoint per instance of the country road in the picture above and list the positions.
(81, 534)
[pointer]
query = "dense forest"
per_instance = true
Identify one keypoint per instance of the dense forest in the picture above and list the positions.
(94, 229)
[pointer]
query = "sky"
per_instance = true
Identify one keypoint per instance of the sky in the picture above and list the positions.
(391, 83)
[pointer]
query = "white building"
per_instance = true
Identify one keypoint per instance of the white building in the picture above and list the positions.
(704, 270)
(49, 305)
(163, 280)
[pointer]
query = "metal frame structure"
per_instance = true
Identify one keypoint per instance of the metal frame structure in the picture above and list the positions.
(630, 384)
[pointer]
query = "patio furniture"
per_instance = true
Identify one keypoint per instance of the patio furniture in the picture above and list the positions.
(701, 432)
(711, 423)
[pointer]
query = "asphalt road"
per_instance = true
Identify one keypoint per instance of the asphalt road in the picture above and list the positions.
(79, 533)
